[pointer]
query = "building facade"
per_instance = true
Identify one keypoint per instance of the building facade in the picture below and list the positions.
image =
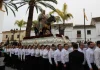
(8, 35)
(1, 23)
(76, 33)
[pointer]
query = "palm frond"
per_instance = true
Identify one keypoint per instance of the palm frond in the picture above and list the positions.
(51, 12)
(27, 9)
(53, 1)
(6, 9)
(14, 6)
(22, 5)
(60, 13)
(47, 5)
(68, 16)
(65, 8)
(11, 9)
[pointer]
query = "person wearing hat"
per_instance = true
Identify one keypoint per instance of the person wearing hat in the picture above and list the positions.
(97, 55)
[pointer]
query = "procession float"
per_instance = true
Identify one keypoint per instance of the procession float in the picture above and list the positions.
(43, 34)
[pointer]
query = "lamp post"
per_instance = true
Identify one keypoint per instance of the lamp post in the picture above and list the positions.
(13, 31)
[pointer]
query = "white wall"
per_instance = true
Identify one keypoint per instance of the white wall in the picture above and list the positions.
(88, 37)
(97, 30)
(1, 23)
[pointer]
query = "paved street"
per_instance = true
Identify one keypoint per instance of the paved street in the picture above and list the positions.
(8, 68)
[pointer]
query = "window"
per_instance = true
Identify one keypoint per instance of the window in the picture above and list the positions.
(78, 33)
(17, 36)
(88, 32)
(6, 36)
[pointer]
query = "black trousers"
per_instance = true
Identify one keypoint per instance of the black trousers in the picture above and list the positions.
(2, 67)
(27, 62)
(41, 63)
(32, 63)
(53, 65)
(37, 64)
(46, 64)
(86, 67)
(67, 66)
(94, 66)
(59, 67)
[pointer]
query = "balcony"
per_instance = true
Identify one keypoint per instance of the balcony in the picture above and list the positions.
(78, 35)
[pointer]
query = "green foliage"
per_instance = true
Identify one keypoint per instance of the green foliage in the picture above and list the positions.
(37, 4)
(64, 15)
(20, 23)
(11, 5)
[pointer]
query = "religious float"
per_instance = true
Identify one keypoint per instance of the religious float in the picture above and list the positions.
(46, 40)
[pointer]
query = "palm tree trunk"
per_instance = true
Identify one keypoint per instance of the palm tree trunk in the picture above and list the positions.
(63, 29)
(30, 18)
(19, 34)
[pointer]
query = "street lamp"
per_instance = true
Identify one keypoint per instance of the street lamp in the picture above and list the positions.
(13, 31)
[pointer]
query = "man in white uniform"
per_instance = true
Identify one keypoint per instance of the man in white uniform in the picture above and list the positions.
(97, 55)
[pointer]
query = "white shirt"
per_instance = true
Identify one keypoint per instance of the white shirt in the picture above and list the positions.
(84, 52)
(70, 49)
(97, 57)
(32, 52)
(90, 56)
(57, 56)
(51, 55)
(27, 52)
(37, 53)
(16, 51)
(64, 56)
(20, 54)
(45, 53)
(41, 52)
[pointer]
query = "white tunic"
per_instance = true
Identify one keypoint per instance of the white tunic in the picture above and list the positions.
(57, 56)
(97, 57)
(64, 56)
(90, 56)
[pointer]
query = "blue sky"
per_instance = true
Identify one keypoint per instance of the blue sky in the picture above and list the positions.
(74, 6)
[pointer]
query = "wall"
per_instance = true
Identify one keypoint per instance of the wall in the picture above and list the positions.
(1, 22)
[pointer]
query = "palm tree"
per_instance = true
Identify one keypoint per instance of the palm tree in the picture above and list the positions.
(20, 24)
(64, 15)
(34, 4)
(8, 4)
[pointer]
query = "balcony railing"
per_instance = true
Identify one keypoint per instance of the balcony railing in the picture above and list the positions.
(78, 35)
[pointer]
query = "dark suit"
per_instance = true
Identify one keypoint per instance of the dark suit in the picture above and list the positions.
(76, 59)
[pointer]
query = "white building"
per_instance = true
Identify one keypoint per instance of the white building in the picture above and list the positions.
(76, 33)
(1, 21)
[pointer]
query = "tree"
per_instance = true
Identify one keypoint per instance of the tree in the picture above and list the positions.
(8, 4)
(64, 15)
(20, 24)
(34, 4)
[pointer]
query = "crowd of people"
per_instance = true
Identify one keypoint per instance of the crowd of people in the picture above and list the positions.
(53, 57)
